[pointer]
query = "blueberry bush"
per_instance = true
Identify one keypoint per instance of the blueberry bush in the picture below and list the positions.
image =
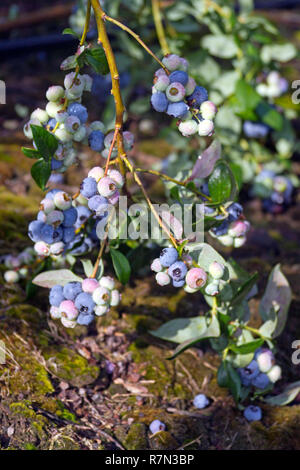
(226, 109)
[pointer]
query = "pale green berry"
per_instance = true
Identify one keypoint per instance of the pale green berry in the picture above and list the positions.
(63, 135)
(115, 298)
(274, 374)
(97, 173)
(216, 270)
(41, 115)
(107, 282)
(101, 310)
(101, 296)
(55, 93)
(53, 108)
(11, 276)
(239, 241)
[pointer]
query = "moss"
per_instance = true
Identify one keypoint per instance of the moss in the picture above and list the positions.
(136, 437)
(163, 440)
(71, 367)
(38, 422)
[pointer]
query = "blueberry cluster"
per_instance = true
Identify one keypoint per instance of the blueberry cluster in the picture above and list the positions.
(101, 191)
(66, 118)
(178, 95)
(17, 266)
(233, 229)
(77, 303)
(273, 86)
(275, 191)
(54, 227)
(262, 371)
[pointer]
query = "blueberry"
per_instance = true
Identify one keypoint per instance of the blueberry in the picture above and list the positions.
(68, 234)
(249, 372)
(50, 234)
(156, 426)
(168, 256)
(179, 76)
(96, 141)
(261, 381)
(98, 204)
(177, 110)
(83, 213)
(198, 97)
(70, 217)
(72, 289)
(177, 271)
(56, 296)
(51, 194)
(235, 210)
(84, 319)
(51, 124)
(56, 164)
(159, 102)
(179, 283)
(34, 230)
(88, 187)
(222, 229)
(175, 92)
(84, 303)
(78, 110)
(253, 413)
(201, 401)
(255, 130)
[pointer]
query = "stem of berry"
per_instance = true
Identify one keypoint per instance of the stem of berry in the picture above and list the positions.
(214, 306)
(159, 27)
(140, 184)
(111, 149)
(87, 23)
(137, 38)
(96, 265)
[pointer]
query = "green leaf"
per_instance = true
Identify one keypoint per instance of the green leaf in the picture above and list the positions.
(222, 375)
(45, 141)
(244, 289)
(278, 52)
(269, 116)
(87, 267)
(71, 31)
(248, 347)
(277, 298)
(40, 172)
(211, 331)
(121, 265)
(247, 97)
(234, 382)
(97, 60)
(286, 397)
(31, 153)
(57, 276)
(220, 45)
(222, 185)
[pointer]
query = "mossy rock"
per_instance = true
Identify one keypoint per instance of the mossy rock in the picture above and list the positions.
(163, 440)
(67, 365)
(136, 437)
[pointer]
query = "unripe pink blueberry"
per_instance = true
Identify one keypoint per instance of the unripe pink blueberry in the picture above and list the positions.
(101, 296)
(238, 228)
(107, 282)
(156, 265)
(41, 248)
(163, 279)
(101, 310)
(188, 128)
(205, 128)
(196, 278)
(68, 310)
(172, 62)
(117, 177)
(274, 374)
(115, 298)
(106, 186)
(55, 218)
(161, 82)
(208, 110)
(97, 173)
(216, 270)
(89, 285)
(11, 276)
(55, 93)
(62, 200)
(55, 313)
(40, 114)
(175, 92)
(190, 86)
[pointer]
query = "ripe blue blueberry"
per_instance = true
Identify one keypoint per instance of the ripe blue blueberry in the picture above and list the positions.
(88, 187)
(178, 110)
(235, 210)
(56, 164)
(253, 413)
(98, 204)
(201, 401)
(51, 124)
(156, 426)
(50, 234)
(83, 213)
(96, 141)
(249, 372)
(56, 295)
(85, 319)
(71, 290)
(222, 229)
(255, 130)
(261, 381)
(78, 110)
(70, 217)
(168, 256)
(198, 97)
(179, 76)
(51, 194)
(159, 102)
(84, 303)
(68, 234)
(178, 284)
(34, 230)
(177, 271)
